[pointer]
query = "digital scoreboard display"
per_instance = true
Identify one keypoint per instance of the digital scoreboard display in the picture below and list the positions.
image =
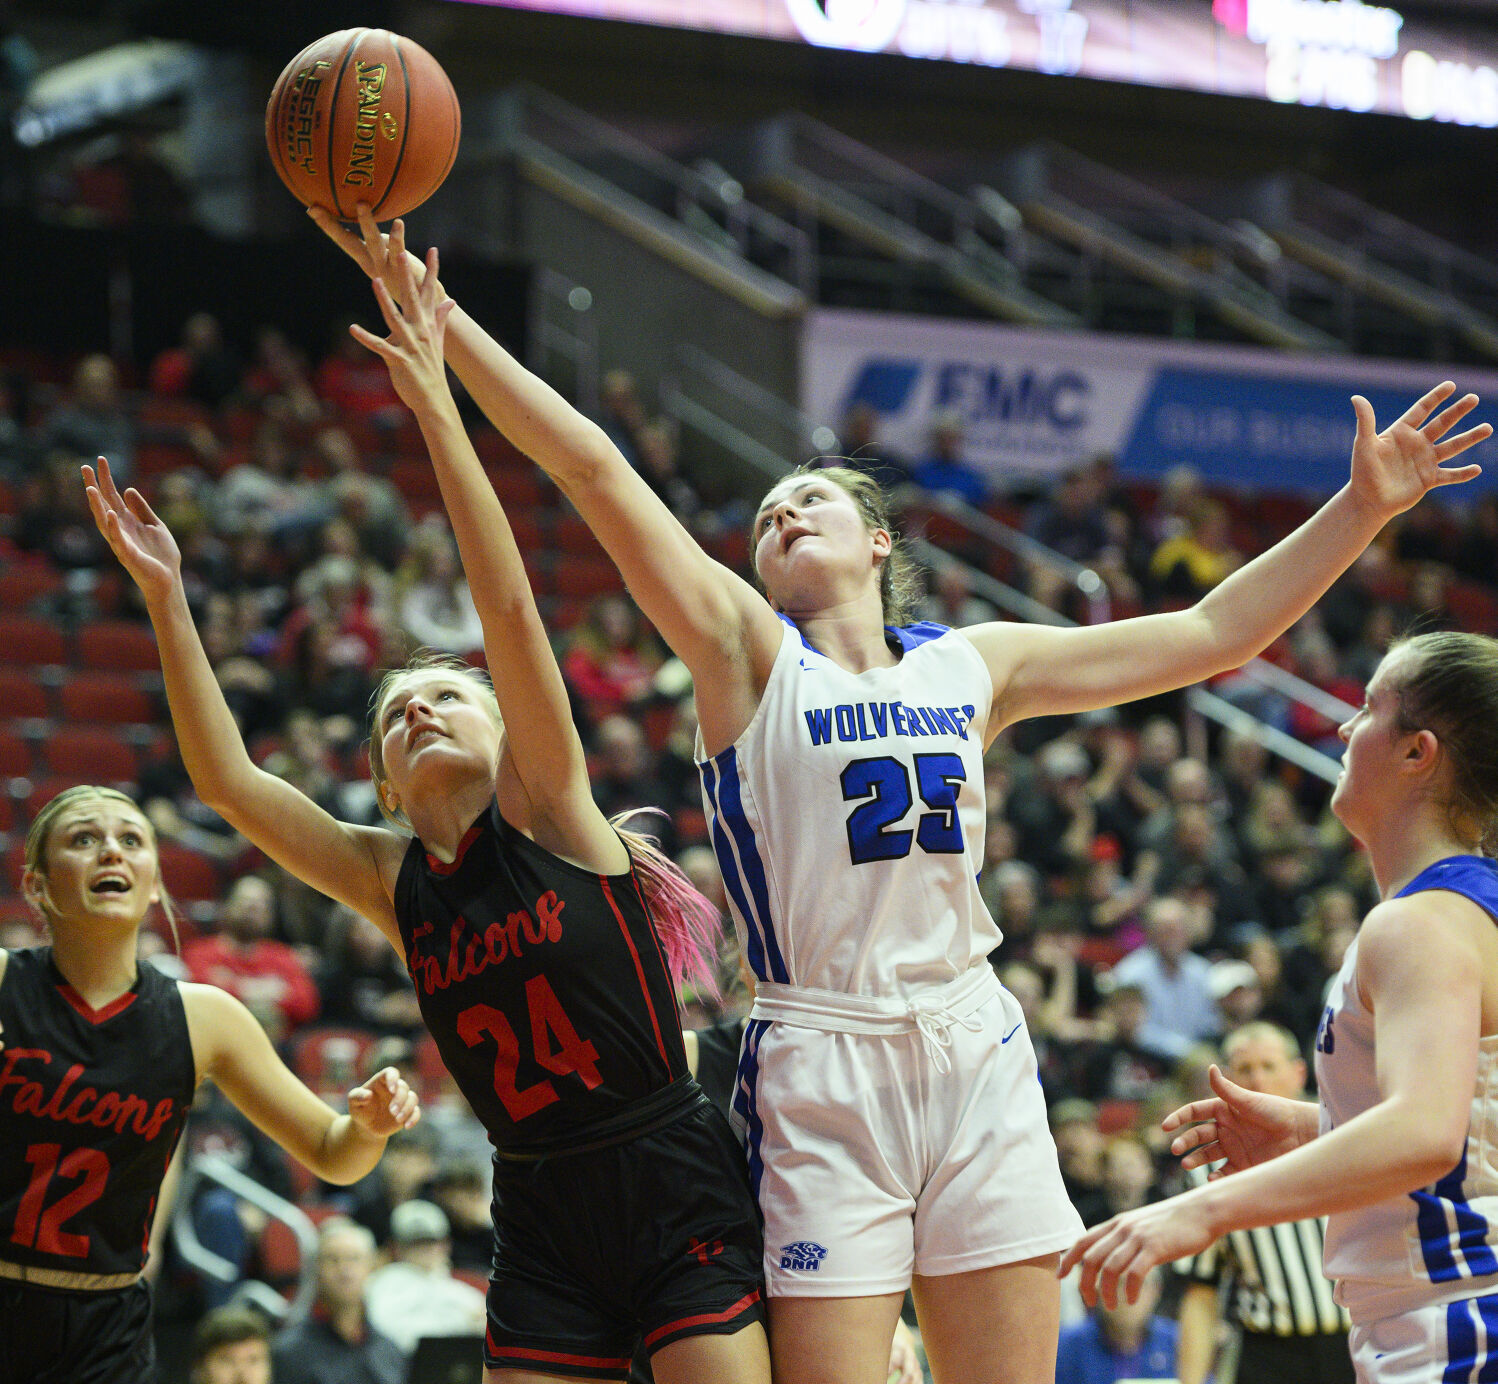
(1341, 54)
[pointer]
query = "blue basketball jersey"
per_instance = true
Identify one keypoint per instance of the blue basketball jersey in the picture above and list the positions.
(1438, 1244)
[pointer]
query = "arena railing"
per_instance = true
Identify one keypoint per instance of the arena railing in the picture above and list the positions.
(212, 1168)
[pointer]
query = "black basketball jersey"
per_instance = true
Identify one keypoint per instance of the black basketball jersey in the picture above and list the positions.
(544, 985)
(91, 1105)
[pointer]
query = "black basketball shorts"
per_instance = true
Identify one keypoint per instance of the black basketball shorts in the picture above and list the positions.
(641, 1243)
(53, 1336)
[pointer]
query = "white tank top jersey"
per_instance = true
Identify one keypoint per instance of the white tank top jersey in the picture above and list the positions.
(848, 818)
(1438, 1244)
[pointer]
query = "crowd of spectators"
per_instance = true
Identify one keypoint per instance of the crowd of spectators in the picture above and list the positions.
(1156, 884)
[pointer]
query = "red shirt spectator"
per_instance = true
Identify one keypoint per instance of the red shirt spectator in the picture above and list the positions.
(242, 958)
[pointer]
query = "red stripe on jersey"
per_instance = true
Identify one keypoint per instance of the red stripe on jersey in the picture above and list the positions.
(705, 1318)
(442, 867)
(655, 937)
(557, 1357)
(660, 1042)
(96, 1016)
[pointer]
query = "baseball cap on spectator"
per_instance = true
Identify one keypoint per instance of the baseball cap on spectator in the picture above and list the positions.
(1227, 976)
(1065, 759)
(1073, 1110)
(415, 1221)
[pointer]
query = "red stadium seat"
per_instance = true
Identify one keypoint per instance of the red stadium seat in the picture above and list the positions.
(15, 754)
(43, 790)
(24, 582)
(517, 486)
(30, 642)
(584, 577)
(527, 530)
(120, 646)
(106, 698)
(313, 1054)
(280, 1254)
(416, 481)
(494, 448)
(21, 694)
(188, 874)
(569, 534)
(91, 750)
(430, 1072)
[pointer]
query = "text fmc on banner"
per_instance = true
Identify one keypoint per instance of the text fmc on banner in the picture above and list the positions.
(1033, 403)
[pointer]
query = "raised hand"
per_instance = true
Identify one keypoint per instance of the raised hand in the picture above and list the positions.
(413, 350)
(384, 1104)
(1238, 1127)
(1392, 469)
(1115, 1257)
(377, 254)
(143, 544)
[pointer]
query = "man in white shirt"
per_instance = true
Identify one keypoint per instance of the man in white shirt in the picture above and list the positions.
(416, 1295)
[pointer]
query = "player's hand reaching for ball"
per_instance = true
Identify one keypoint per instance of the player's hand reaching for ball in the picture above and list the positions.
(143, 544)
(384, 1104)
(377, 254)
(413, 350)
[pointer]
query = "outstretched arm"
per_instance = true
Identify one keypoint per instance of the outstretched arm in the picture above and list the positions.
(346, 862)
(719, 626)
(541, 743)
(1039, 669)
(1420, 966)
(231, 1047)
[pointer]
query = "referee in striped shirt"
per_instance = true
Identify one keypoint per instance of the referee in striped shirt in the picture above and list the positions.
(1269, 1280)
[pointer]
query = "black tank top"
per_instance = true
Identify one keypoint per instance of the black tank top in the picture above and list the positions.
(91, 1104)
(545, 987)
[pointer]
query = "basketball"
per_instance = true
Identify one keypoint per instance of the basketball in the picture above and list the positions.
(363, 115)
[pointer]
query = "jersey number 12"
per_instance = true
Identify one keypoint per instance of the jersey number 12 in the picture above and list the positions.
(39, 1226)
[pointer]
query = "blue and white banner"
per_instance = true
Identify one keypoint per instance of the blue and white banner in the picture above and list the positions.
(1038, 402)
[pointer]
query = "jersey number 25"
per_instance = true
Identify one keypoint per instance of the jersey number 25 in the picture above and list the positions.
(885, 783)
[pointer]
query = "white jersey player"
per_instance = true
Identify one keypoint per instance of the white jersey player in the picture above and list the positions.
(1402, 1153)
(899, 1032)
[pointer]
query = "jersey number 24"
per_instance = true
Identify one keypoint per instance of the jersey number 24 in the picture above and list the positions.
(548, 1020)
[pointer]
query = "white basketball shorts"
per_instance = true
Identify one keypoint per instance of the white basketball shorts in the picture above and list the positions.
(1455, 1341)
(887, 1138)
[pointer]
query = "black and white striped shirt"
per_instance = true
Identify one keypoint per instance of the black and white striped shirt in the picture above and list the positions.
(1274, 1272)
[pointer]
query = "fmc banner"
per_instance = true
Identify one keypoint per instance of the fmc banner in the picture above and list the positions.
(1034, 403)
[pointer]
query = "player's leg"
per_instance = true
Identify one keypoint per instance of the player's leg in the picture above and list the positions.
(826, 1340)
(991, 1326)
(993, 1214)
(742, 1358)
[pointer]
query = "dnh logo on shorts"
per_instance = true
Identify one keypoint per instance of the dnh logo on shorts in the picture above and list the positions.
(802, 1255)
(865, 26)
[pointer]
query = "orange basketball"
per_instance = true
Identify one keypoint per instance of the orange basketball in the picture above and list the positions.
(363, 115)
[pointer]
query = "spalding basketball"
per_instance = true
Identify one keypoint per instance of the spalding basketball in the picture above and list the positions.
(363, 115)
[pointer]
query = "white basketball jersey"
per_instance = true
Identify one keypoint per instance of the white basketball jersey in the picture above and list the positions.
(848, 819)
(1438, 1244)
